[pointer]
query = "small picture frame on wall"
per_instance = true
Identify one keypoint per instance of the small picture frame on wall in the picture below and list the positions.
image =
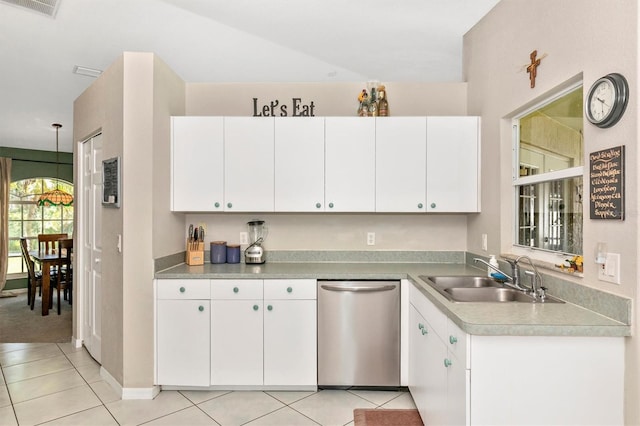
(111, 182)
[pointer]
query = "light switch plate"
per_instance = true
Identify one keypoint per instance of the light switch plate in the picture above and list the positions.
(610, 271)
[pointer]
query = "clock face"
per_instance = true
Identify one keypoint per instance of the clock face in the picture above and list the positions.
(602, 100)
(607, 100)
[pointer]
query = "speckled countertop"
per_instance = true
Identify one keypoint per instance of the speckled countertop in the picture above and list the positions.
(514, 319)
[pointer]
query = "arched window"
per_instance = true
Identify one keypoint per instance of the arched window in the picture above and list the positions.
(27, 219)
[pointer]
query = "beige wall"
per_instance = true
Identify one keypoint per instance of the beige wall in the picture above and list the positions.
(334, 231)
(577, 42)
(100, 108)
(131, 104)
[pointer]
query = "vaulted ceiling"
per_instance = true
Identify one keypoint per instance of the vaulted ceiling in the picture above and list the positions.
(218, 41)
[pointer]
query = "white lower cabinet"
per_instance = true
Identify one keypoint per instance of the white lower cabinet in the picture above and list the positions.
(461, 379)
(182, 332)
(263, 333)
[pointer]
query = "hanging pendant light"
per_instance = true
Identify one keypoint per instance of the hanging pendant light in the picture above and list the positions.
(57, 197)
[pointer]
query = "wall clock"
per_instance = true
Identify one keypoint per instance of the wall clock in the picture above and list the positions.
(607, 100)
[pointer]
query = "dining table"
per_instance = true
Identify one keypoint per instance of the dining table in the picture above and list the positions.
(46, 261)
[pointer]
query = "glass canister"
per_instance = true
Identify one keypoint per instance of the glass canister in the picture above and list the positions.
(218, 251)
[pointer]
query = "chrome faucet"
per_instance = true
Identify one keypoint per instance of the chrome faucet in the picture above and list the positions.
(537, 289)
(513, 279)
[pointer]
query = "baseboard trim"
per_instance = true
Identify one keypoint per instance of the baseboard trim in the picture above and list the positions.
(129, 393)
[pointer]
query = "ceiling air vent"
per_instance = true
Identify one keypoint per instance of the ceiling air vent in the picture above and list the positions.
(45, 7)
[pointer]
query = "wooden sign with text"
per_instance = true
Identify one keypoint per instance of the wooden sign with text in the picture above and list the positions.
(275, 108)
(606, 176)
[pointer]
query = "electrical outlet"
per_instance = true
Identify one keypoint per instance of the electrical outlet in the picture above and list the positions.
(244, 238)
(610, 270)
(371, 238)
(484, 242)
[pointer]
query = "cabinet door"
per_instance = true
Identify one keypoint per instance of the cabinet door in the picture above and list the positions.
(350, 164)
(248, 160)
(427, 370)
(452, 164)
(299, 164)
(458, 382)
(401, 164)
(290, 343)
(183, 342)
(197, 164)
(236, 342)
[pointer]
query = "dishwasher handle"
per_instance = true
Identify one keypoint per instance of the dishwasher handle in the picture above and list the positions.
(359, 288)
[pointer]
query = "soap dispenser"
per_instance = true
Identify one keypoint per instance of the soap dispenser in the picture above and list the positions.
(493, 262)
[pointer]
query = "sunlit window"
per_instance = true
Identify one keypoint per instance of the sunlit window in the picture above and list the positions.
(548, 183)
(27, 219)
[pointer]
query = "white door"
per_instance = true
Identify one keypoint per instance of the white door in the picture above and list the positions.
(299, 164)
(236, 342)
(197, 164)
(183, 342)
(350, 164)
(452, 164)
(401, 164)
(290, 339)
(90, 241)
(248, 164)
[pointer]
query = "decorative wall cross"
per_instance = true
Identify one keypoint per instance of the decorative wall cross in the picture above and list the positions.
(532, 69)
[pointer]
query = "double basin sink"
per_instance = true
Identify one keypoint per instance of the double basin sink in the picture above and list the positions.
(479, 289)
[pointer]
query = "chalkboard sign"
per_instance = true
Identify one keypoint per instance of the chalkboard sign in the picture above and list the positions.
(606, 175)
(111, 182)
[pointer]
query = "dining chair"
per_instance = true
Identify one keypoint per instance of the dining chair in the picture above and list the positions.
(47, 242)
(34, 277)
(64, 279)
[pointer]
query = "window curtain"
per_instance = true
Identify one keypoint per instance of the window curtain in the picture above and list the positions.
(5, 181)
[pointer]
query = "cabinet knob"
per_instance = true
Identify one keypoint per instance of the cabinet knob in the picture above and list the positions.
(424, 331)
(330, 205)
(236, 289)
(269, 308)
(217, 204)
(182, 289)
(318, 205)
(433, 205)
(229, 205)
(447, 362)
(255, 307)
(420, 326)
(453, 339)
(289, 289)
(201, 308)
(419, 205)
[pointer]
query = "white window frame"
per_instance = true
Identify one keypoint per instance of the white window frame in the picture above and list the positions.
(518, 249)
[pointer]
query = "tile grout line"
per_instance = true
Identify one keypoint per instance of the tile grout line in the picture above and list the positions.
(89, 385)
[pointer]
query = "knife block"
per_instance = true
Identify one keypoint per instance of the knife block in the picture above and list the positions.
(195, 253)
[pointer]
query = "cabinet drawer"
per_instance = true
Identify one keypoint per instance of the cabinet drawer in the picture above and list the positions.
(458, 342)
(236, 289)
(183, 289)
(290, 289)
(436, 319)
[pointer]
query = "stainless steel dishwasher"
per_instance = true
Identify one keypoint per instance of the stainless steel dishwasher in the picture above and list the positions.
(359, 333)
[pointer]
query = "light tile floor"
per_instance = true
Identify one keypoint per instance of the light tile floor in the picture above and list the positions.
(57, 384)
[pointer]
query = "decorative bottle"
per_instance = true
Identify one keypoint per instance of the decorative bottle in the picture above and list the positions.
(373, 104)
(383, 104)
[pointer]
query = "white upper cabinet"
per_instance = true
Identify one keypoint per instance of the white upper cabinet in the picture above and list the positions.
(401, 162)
(350, 164)
(326, 164)
(453, 152)
(197, 164)
(299, 164)
(249, 164)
